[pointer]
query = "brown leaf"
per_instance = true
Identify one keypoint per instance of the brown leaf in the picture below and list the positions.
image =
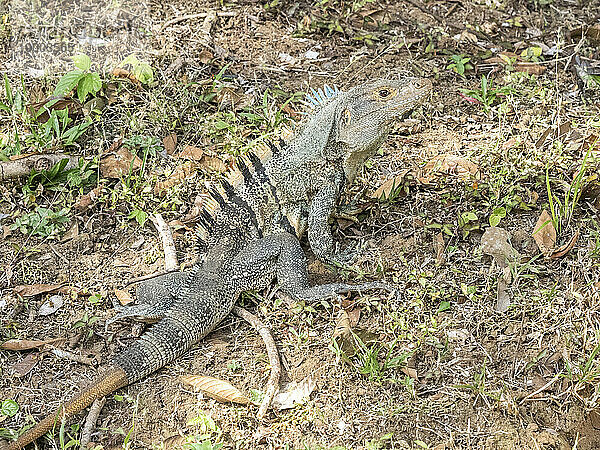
(389, 186)
(530, 68)
(123, 296)
(119, 72)
(5, 231)
(84, 202)
(35, 289)
(170, 142)
(71, 233)
(544, 234)
(177, 177)
(25, 344)
(23, 367)
(411, 372)
(354, 316)
(449, 165)
(54, 103)
(212, 163)
(116, 164)
(205, 56)
(218, 389)
(191, 152)
(566, 248)
(440, 247)
(342, 324)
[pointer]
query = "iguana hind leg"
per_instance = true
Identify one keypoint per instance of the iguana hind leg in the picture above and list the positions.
(281, 255)
(154, 298)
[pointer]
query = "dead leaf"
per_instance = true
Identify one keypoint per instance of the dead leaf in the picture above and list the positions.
(23, 367)
(544, 234)
(41, 110)
(566, 248)
(530, 68)
(212, 163)
(440, 248)
(205, 56)
(121, 162)
(354, 316)
(123, 296)
(120, 72)
(191, 152)
(170, 142)
(410, 372)
(390, 186)
(342, 325)
(85, 201)
(218, 389)
(51, 305)
(25, 344)
(186, 170)
(5, 231)
(449, 165)
(71, 233)
(294, 393)
(35, 289)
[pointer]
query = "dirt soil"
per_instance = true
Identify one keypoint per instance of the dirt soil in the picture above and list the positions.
(468, 373)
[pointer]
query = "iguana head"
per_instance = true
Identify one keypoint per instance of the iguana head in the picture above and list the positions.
(365, 113)
(348, 127)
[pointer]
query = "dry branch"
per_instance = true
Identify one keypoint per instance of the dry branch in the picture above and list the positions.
(265, 334)
(90, 422)
(167, 242)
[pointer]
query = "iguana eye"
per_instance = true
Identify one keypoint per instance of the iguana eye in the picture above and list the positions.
(384, 93)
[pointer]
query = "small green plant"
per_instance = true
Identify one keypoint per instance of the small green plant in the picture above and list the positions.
(533, 54)
(467, 222)
(460, 64)
(81, 79)
(86, 323)
(562, 211)
(487, 95)
(42, 222)
(9, 408)
(497, 215)
(141, 70)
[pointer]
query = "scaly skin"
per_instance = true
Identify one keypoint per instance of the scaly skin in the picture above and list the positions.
(251, 229)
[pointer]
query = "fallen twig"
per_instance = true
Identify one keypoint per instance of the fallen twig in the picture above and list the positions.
(197, 16)
(167, 241)
(148, 277)
(90, 422)
(265, 334)
(71, 356)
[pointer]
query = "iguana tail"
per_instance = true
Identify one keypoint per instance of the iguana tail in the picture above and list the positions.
(111, 380)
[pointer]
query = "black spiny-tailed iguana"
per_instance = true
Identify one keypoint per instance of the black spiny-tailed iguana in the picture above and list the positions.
(251, 226)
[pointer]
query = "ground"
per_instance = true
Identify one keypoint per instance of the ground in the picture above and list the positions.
(483, 348)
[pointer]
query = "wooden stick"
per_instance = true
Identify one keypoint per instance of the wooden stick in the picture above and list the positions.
(167, 241)
(265, 334)
(90, 422)
(196, 16)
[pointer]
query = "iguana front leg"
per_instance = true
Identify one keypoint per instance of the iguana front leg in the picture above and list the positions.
(319, 232)
(281, 255)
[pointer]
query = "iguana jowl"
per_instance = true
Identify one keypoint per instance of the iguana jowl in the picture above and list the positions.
(250, 230)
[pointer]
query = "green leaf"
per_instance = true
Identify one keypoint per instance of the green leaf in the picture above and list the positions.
(68, 81)
(8, 90)
(143, 72)
(443, 306)
(89, 83)
(82, 61)
(494, 220)
(9, 408)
